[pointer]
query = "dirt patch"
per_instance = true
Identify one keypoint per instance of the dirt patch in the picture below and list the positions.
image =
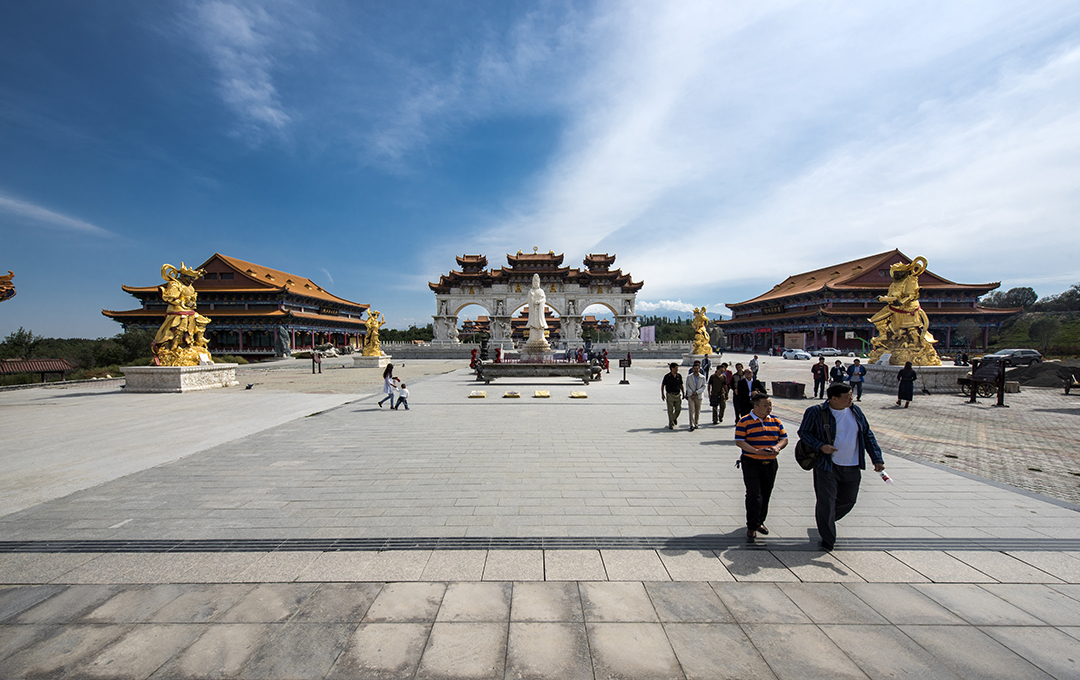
(1045, 374)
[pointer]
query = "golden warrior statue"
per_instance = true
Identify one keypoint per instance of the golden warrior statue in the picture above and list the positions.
(371, 340)
(701, 333)
(902, 325)
(181, 340)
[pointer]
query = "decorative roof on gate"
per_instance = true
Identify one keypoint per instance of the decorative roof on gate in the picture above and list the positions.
(248, 277)
(548, 265)
(863, 274)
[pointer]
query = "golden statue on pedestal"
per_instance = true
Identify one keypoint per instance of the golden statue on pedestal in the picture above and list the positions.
(371, 340)
(181, 340)
(902, 325)
(701, 333)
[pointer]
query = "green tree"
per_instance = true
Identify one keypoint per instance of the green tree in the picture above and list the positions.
(1043, 330)
(967, 332)
(1021, 297)
(425, 334)
(1068, 301)
(22, 344)
(670, 330)
(1015, 297)
(135, 343)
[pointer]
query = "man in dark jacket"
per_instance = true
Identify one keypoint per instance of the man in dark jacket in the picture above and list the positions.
(821, 377)
(744, 387)
(839, 430)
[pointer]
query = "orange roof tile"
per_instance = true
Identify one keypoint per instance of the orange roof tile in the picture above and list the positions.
(278, 279)
(860, 274)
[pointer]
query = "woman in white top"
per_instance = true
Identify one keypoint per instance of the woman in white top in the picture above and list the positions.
(388, 385)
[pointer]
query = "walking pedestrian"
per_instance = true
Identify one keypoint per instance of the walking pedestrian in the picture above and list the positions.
(855, 378)
(706, 366)
(402, 397)
(837, 374)
(839, 430)
(672, 392)
(695, 391)
(761, 437)
(821, 376)
(753, 366)
(718, 393)
(744, 388)
(389, 383)
(906, 390)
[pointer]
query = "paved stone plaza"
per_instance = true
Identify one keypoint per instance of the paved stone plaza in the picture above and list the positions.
(296, 530)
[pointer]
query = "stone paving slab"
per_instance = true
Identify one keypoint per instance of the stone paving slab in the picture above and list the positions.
(539, 629)
(942, 574)
(112, 430)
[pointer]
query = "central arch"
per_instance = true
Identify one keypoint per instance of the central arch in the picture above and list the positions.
(504, 291)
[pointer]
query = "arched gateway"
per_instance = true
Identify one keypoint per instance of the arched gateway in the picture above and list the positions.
(505, 290)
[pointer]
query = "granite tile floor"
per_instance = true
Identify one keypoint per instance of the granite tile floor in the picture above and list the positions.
(532, 538)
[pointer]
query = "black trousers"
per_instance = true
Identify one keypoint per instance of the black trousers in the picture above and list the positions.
(819, 387)
(856, 387)
(836, 491)
(759, 477)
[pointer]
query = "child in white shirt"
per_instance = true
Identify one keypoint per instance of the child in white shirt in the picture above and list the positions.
(402, 397)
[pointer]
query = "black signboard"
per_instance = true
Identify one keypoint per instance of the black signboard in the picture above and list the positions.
(987, 371)
(624, 363)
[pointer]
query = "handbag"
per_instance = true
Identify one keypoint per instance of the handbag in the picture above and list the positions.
(805, 455)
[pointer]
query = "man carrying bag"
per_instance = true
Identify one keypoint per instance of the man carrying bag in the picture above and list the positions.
(838, 430)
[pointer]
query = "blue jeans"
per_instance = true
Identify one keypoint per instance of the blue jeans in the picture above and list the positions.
(401, 401)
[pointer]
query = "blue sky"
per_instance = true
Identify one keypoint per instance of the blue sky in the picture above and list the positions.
(714, 147)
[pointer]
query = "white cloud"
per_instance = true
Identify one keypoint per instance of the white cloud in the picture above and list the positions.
(239, 38)
(674, 305)
(788, 135)
(50, 218)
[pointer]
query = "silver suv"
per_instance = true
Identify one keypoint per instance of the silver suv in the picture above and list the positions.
(1016, 357)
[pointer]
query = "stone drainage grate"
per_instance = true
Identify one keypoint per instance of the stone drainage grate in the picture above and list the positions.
(699, 543)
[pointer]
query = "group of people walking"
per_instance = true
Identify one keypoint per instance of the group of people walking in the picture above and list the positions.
(836, 428)
(855, 376)
(722, 385)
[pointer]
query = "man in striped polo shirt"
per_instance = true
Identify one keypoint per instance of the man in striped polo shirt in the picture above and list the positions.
(761, 437)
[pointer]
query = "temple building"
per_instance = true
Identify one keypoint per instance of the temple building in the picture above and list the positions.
(248, 302)
(831, 307)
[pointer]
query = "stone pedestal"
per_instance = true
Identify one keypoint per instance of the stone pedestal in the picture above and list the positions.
(536, 349)
(371, 362)
(689, 359)
(178, 378)
(936, 379)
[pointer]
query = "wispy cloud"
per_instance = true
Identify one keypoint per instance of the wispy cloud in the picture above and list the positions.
(787, 135)
(238, 37)
(326, 272)
(51, 219)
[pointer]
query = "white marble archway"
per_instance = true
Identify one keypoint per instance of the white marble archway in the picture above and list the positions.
(568, 301)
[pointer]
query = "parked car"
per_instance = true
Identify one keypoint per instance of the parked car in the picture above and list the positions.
(795, 354)
(826, 352)
(1015, 357)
